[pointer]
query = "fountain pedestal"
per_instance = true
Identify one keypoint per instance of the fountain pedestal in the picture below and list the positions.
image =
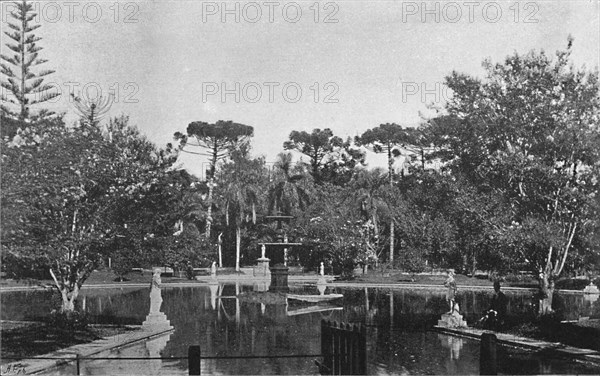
(262, 267)
(279, 279)
(591, 289)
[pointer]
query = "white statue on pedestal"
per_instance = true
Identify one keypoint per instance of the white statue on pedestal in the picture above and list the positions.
(155, 318)
(263, 250)
(155, 295)
(322, 269)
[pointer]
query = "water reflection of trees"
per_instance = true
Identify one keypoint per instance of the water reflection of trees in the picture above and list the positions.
(226, 326)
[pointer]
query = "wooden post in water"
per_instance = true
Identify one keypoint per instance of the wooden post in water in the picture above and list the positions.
(488, 361)
(362, 351)
(194, 360)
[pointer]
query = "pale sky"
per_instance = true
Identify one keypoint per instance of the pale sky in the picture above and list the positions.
(167, 62)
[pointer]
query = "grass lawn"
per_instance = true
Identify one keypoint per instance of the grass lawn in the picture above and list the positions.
(391, 277)
(107, 276)
(583, 334)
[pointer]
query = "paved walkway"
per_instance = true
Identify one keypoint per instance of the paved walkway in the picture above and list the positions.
(47, 362)
(529, 343)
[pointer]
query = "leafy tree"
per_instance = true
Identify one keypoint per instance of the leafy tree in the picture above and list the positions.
(20, 78)
(219, 140)
(332, 232)
(530, 132)
(62, 194)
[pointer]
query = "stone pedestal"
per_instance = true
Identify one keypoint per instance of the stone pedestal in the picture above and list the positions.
(279, 279)
(262, 267)
(261, 285)
(321, 285)
(452, 320)
(214, 291)
(156, 320)
(591, 289)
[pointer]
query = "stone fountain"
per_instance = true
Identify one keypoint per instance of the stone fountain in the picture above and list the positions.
(275, 255)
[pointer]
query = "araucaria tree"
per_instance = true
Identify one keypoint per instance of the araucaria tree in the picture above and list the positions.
(218, 140)
(530, 132)
(25, 85)
(317, 146)
(385, 139)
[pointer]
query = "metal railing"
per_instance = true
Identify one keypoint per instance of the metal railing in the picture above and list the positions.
(194, 359)
(343, 351)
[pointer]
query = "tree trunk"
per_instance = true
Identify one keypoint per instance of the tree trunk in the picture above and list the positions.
(211, 181)
(392, 244)
(473, 265)
(220, 250)
(209, 211)
(546, 293)
(238, 240)
(69, 294)
(68, 298)
(68, 304)
(391, 177)
(24, 113)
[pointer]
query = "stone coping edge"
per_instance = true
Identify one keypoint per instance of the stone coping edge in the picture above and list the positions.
(527, 343)
(312, 279)
(107, 344)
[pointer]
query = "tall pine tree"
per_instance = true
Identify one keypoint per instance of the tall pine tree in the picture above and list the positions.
(25, 86)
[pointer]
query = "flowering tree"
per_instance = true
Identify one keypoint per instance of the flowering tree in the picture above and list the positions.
(62, 194)
(530, 134)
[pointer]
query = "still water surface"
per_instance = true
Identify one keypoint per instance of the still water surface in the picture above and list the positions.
(398, 341)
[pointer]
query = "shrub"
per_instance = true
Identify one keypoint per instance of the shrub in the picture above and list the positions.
(121, 266)
(411, 260)
(344, 266)
(572, 284)
(25, 267)
(189, 271)
(68, 321)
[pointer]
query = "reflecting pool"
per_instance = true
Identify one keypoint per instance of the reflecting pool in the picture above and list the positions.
(212, 316)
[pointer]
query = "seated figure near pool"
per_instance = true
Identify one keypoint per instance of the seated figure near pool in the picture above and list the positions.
(495, 315)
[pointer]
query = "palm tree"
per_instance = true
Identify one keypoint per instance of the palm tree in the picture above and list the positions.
(285, 193)
(240, 199)
(366, 186)
(241, 193)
